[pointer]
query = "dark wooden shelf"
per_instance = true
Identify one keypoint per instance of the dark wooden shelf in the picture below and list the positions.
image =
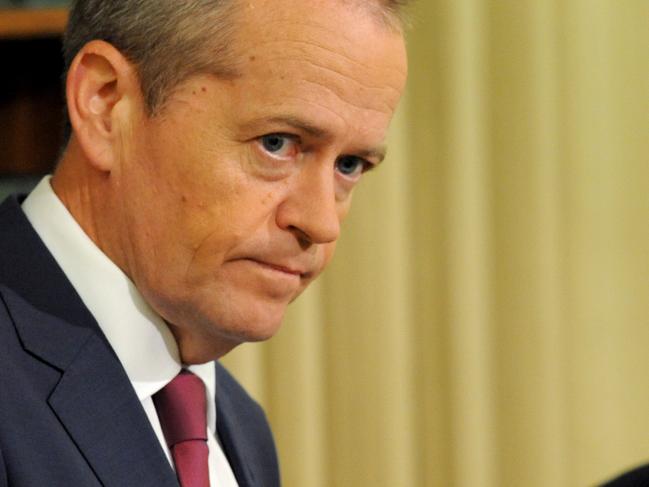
(31, 98)
(31, 104)
(20, 23)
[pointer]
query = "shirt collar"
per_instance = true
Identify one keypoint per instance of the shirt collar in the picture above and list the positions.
(139, 336)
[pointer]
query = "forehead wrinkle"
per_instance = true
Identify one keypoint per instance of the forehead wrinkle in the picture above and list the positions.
(341, 86)
(341, 72)
(327, 108)
(334, 52)
(384, 93)
(362, 84)
(343, 121)
(386, 107)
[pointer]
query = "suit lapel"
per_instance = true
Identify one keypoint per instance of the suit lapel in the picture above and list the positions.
(106, 421)
(234, 445)
(94, 400)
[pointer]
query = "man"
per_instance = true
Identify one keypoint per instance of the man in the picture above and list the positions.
(213, 151)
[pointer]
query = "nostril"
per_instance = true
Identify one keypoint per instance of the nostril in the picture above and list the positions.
(303, 239)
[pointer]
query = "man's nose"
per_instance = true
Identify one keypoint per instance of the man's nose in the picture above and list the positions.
(310, 209)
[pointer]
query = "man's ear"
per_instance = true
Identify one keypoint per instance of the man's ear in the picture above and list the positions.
(100, 86)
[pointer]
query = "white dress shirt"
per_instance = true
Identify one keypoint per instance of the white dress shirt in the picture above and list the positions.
(141, 339)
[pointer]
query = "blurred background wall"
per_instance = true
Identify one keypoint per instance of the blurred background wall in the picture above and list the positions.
(486, 319)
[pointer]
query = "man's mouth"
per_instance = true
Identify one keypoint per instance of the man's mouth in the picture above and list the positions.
(281, 267)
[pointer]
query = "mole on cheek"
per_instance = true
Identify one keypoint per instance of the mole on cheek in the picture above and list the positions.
(203, 89)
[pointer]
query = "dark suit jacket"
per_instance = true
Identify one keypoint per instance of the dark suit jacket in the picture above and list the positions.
(68, 413)
(635, 478)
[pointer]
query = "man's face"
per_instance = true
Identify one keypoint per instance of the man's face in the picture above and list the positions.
(232, 196)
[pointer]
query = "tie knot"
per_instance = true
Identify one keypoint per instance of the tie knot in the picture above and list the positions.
(182, 409)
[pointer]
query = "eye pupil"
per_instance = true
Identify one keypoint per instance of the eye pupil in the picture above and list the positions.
(348, 165)
(273, 143)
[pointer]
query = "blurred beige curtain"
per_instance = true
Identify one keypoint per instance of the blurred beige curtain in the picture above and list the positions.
(486, 320)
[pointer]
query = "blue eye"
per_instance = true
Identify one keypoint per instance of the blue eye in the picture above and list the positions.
(350, 165)
(279, 145)
(273, 143)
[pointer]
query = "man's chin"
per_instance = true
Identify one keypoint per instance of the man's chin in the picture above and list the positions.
(260, 329)
(255, 322)
(220, 326)
(196, 348)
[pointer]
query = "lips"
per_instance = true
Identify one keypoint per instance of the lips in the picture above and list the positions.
(285, 268)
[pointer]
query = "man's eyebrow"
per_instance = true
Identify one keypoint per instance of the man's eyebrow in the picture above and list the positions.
(302, 125)
(313, 130)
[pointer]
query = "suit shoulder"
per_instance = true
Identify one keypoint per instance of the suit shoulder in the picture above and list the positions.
(638, 477)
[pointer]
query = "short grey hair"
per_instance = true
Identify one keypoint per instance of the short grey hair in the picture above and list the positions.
(168, 40)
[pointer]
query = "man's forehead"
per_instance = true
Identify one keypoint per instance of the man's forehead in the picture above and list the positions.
(306, 18)
(328, 72)
(327, 41)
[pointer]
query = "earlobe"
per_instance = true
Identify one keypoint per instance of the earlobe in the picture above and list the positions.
(97, 82)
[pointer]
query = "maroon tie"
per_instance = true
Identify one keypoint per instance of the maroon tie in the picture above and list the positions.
(182, 411)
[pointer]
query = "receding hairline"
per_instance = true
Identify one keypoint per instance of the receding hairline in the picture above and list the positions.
(210, 43)
(231, 68)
